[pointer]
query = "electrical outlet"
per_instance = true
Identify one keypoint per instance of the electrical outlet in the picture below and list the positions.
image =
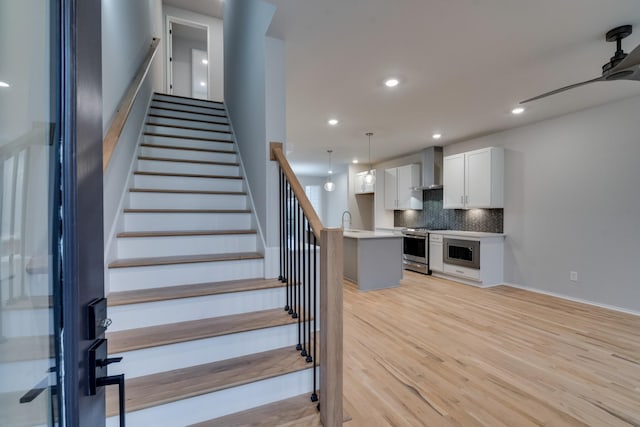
(573, 276)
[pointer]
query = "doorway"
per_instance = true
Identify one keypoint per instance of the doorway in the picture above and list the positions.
(188, 59)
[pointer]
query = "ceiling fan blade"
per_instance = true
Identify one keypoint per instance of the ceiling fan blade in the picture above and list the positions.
(553, 92)
(632, 59)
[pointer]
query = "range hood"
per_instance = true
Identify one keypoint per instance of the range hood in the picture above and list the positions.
(431, 169)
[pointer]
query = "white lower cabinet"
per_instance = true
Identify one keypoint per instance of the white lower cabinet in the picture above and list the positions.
(491, 269)
(435, 252)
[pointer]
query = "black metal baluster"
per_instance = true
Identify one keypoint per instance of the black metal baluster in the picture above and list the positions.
(296, 278)
(314, 395)
(309, 289)
(303, 284)
(289, 252)
(281, 276)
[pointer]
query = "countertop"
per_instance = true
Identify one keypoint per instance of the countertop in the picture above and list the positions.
(366, 234)
(459, 233)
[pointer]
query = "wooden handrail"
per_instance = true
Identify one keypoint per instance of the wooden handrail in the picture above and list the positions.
(277, 154)
(126, 103)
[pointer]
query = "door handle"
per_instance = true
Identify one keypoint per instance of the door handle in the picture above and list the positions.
(97, 362)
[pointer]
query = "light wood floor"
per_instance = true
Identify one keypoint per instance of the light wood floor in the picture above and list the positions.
(437, 353)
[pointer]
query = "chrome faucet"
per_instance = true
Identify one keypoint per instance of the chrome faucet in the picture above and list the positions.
(349, 213)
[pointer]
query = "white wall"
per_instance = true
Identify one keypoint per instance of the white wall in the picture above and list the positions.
(215, 42)
(182, 64)
(572, 203)
(127, 30)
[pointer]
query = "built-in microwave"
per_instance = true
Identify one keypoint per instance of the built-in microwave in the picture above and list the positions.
(465, 253)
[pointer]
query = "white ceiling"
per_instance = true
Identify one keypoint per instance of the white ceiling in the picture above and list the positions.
(464, 64)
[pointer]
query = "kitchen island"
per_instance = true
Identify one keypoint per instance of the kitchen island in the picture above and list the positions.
(372, 259)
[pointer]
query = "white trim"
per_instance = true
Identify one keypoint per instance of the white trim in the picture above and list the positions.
(169, 49)
(462, 280)
(579, 300)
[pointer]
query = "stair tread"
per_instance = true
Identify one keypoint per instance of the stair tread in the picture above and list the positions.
(183, 259)
(176, 147)
(196, 138)
(190, 291)
(161, 116)
(187, 175)
(157, 389)
(296, 411)
(197, 211)
(172, 233)
(187, 112)
(172, 333)
(170, 95)
(170, 159)
(214, 108)
(164, 125)
(160, 190)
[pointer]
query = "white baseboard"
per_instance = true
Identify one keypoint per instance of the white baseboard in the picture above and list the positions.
(579, 300)
(462, 280)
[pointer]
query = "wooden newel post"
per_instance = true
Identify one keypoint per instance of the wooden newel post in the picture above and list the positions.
(331, 269)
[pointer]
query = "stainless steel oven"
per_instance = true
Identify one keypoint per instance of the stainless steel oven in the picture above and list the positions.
(415, 254)
(465, 253)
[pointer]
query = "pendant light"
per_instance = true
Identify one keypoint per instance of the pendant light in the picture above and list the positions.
(370, 178)
(329, 185)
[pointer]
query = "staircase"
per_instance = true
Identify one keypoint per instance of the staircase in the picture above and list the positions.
(203, 334)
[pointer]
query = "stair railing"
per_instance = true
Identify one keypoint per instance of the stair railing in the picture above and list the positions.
(126, 103)
(302, 236)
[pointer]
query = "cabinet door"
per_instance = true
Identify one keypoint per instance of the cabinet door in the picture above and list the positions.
(435, 256)
(453, 182)
(390, 189)
(478, 179)
(408, 177)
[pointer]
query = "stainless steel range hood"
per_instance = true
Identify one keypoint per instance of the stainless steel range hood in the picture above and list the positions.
(431, 169)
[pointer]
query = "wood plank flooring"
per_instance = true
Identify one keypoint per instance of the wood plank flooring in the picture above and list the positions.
(438, 353)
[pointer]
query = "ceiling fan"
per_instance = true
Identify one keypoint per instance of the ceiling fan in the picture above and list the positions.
(621, 66)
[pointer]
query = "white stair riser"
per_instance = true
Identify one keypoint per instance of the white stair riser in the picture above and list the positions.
(140, 200)
(187, 115)
(130, 278)
(220, 403)
(142, 247)
(189, 155)
(189, 143)
(188, 123)
(188, 132)
(23, 375)
(190, 108)
(187, 183)
(190, 101)
(188, 168)
(186, 221)
(133, 316)
(164, 358)
(23, 323)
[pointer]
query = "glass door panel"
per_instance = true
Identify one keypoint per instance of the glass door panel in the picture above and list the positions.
(29, 207)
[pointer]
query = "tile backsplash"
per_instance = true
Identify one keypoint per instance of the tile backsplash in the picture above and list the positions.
(434, 216)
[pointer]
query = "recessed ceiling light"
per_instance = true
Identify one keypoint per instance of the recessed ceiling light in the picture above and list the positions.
(203, 84)
(330, 172)
(517, 110)
(436, 136)
(354, 161)
(391, 82)
(205, 62)
(4, 84)
(333, 122)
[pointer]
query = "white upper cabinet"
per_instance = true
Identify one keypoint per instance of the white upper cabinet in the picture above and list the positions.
(361, 186)
(453, 182)
(474, 179)
(398, 188)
